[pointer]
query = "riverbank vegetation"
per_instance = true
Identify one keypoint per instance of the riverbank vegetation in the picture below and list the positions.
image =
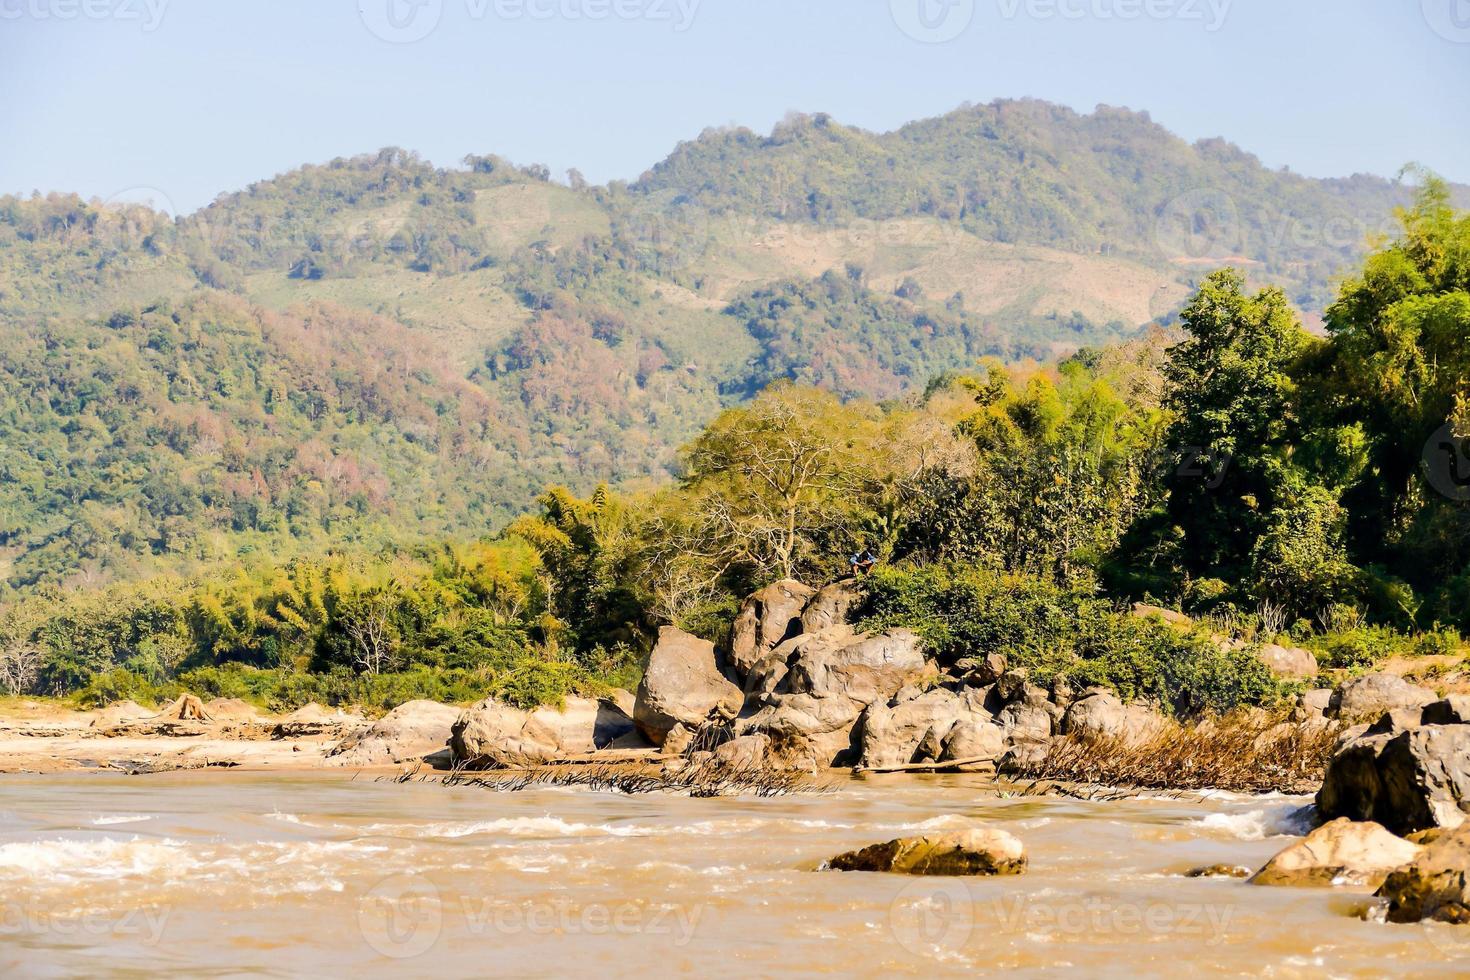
(1275, 484)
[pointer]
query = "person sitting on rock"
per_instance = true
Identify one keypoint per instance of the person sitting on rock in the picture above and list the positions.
(862, 563)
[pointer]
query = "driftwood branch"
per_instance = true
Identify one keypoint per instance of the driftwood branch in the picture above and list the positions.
(933, 766)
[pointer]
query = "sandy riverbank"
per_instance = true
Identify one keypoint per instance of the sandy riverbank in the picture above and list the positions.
(48, 737)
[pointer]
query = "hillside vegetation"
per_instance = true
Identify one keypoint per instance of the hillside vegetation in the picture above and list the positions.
(377, 351)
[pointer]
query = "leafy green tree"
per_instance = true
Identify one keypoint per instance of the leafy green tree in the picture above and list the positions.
(773, 487)
(1231, 394)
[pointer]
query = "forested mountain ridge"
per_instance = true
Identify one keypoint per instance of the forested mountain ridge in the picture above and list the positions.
(377, 350)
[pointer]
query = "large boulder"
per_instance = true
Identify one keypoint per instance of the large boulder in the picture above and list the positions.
(767, 619)
(744, 752)
(974, 736)
(1435, 885)
(1291, 663)
(1409, 781)
(1102, 714)
(813, 732)
(983, 851)
(494, 734)
(865, 667)
(1341, 853)
(1368, 697)
(408, 732)
(832, 606)
(1032, 715)
(682, 686)
(896, 736)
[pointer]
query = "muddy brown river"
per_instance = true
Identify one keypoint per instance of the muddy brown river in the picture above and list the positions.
(270, 875)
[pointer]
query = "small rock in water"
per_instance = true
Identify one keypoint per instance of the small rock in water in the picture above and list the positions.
(1435, 886)
(981, 851)
(1219, 871)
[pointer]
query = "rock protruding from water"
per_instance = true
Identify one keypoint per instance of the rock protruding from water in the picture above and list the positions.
(1402, 773)
(683, 686)
(982, 851)
(766, 620)
(1435, 885)
(1340, 853)
(493, 734)
(407, 733)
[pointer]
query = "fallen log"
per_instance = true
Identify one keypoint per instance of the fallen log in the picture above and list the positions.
(953, 764)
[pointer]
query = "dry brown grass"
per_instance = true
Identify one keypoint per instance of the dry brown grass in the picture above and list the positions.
(1241, 752)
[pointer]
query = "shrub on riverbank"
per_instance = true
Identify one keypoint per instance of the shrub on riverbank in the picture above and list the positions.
(1060, 631)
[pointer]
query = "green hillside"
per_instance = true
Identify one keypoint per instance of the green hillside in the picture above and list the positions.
(376, 350)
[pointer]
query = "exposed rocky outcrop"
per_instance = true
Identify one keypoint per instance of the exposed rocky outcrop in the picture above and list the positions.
(1407, 779)
(1435, 885)
(1370, 696)
(745, 752)
(407, 733)
(682, 686)
(909, 731)
(1102, 714)
(982, 851)
(832, 606)
(494, 734)
(766, 620)
(1340, 853)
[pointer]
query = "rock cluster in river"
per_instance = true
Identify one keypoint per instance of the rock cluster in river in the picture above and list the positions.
(820, 693)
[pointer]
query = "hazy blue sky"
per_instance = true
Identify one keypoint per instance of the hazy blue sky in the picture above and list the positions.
(198, 96)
